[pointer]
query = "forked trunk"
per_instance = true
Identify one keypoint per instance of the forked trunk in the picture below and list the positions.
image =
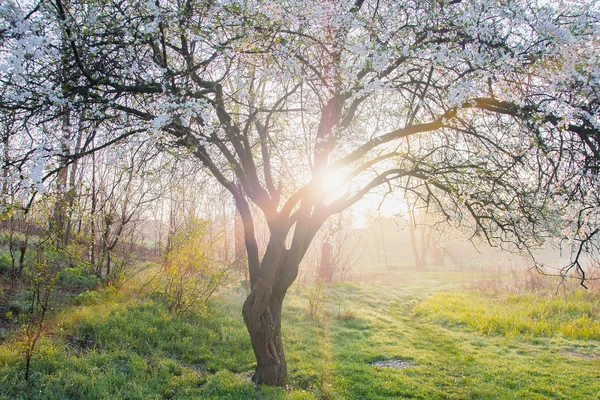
(265, 334)
(270, 279)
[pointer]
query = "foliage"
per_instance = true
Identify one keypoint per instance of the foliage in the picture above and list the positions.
(42, 276)
(87, 298)
(78, 279)
(123, 270)
(437, 73)
(485, 112)
(5, 263)
(17, 237)
(191, 272)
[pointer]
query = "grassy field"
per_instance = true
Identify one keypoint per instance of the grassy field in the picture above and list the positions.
(445, 340)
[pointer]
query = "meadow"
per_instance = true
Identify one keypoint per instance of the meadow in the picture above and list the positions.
(161, 158)
(435, 334)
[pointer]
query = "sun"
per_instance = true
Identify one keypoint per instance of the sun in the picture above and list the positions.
(334, 182)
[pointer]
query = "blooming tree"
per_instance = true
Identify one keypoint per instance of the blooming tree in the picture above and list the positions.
(484, 111)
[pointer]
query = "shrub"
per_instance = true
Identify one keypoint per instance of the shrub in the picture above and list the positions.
(87, 298)
(78, 279)
(5, 263)
(191, 272)
(41, 276)
(316, 298)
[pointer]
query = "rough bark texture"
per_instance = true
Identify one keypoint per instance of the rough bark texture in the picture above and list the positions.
(265, 334)
(262, 310)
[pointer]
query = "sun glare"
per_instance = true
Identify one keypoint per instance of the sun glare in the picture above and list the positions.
(333, 182)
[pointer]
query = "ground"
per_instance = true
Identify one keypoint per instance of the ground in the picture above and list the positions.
(443, 336)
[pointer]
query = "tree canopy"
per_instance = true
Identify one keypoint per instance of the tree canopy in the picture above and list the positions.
(484, 111)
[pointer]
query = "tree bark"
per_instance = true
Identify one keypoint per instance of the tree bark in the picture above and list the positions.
(239, 246)
(262, 311)
(265, 335)
(270, 279)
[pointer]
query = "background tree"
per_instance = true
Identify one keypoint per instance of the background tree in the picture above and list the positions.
(485, 112)
(121, 187)
(344, 244)
(423, 240)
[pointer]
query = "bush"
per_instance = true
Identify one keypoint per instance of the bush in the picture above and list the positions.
(77, 279)
(91, 297)
(20, 304)
(87, 298)
(16, 237)
(5, 263)
(190, 272)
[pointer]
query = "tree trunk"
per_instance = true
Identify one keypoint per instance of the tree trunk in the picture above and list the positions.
(262, 311)
(23, 250)
(270, 279)
(420, 260)
(239, 246)
(438, 254)
(265, 334)
(326, 265)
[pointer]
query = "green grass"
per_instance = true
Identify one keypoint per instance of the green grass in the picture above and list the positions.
(135, 349)
(575, 316)
(450, 361)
